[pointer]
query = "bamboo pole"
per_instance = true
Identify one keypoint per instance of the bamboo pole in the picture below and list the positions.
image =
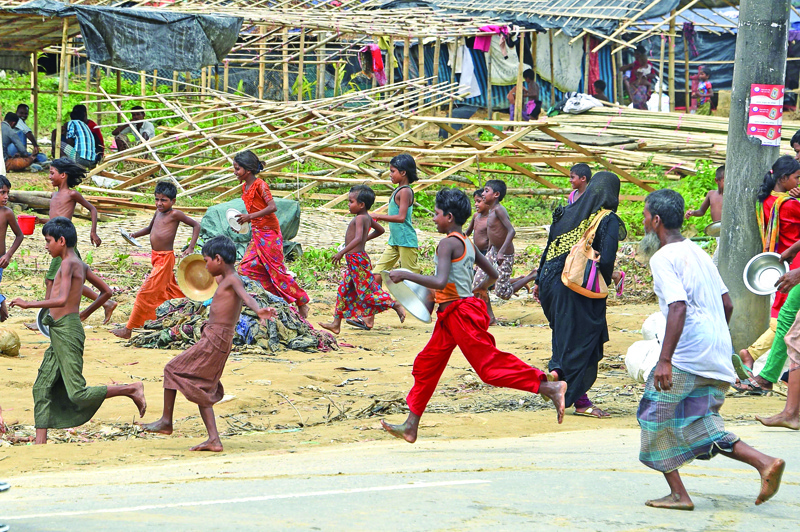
(285, 66)
(35, 94)
(687, 85)
(534, 44)
(390, 60)
(586, 53)
(262, 49)
(489, 109)
(620, 83)
(614, 74)
(661, 73)
(119, 82)
(421, 70)
(518, 96)
(301, 68)
(88, 76)
(226, 76)
(437, 51)
(155, 79)
(453, 75)
(320, 70)
(61, 86)
(552, 71)
(174, 81)
(406, 62)
(142, 83)
(99, 112)
(671, 63)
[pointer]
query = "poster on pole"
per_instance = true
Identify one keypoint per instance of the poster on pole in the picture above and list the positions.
(765, 115)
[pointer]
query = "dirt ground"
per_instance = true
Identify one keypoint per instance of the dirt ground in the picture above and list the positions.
(293, 399)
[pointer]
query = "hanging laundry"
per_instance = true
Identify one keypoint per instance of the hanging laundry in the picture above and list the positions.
(371, 62)
(689, 36)
(468, 85)
(484, 42)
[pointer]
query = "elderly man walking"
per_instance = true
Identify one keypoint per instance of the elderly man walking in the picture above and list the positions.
(679, 411)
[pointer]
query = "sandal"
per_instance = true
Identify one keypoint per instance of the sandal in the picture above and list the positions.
(743, 372)
(589, 412)
(621, 284)
(358, 323)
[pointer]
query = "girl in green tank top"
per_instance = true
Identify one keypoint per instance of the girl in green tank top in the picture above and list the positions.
(403, 243)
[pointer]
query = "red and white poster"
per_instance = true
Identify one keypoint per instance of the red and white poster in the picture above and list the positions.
(765, 115)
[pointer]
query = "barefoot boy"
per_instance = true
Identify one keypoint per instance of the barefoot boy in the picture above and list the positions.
(7, 219)
(501, 247)
(196, 372)
(477, 224)
(61, 398)
(160, 285)
(679, 411)
(65, 175)
(360, 295)
(462, 322)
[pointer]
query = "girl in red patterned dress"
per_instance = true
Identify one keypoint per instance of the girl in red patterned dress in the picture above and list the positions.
(263, 259)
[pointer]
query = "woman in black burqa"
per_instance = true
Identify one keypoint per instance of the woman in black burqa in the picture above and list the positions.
(578, 322)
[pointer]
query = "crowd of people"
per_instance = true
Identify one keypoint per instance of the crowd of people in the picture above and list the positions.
(80, 139)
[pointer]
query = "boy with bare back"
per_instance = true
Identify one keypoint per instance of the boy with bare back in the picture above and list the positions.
(65, 175)
(196, 372)
(61, 398)
(161, 284)
(477, 224)
(360, 296)
(7, 219)
(462, 322)
(501, 247)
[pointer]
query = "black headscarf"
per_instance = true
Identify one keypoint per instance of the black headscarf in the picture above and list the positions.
(602, 192)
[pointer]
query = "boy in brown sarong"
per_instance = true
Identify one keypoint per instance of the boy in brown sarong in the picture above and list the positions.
(61, 398)
(196, 372)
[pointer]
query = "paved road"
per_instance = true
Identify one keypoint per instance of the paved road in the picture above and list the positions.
(589, 480)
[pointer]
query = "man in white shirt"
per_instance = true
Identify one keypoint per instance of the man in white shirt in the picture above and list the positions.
(26, 135)
(144, 130)
(679, 411)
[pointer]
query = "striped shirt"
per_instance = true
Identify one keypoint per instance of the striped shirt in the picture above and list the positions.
(84, 140)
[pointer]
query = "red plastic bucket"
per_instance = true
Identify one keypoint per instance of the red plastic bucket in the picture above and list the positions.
(27, 223)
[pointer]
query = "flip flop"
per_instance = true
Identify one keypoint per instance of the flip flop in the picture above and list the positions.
(589, 412)
(621, 284)
(743, 372)
(358, 324)
(4, 486)
(754, 389)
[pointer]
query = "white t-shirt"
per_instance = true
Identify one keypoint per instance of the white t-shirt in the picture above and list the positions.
(22, 126)
(682, 271)
(147, 130)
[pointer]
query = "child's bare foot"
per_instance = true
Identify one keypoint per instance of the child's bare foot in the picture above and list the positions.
(552, 376)
(770, 480)
(747, 358)
(108, 308)
(555, 391)
(404, 431)
(401, 312)
(369, 321)
(162, 426)
(673, 501)
(303, 311)
(122, 332)
(781, 420)
(332, 327)
(138, 398)
(214, 446)
(31, 326)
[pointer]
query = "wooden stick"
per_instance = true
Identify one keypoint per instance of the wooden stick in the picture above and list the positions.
(35, 93)
(285, 66)
(301, 71)
(661, 73)
(552, 71)
(518, 95)
(454, 60)
(142, 83)
(488, 56)
(61, 85)
(687, 85)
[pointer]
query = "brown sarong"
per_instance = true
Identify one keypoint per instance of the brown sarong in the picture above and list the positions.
(196, 371)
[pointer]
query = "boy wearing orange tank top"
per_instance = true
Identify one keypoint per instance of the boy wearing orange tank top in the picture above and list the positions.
(462, 321)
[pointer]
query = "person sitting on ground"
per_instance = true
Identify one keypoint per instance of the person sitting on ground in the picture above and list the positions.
(713, 200)
(501, 247)
(600, 90)
(778, 215)
(99, 142)
(160, 284)
(478, 223)
(142, 130)
(359, 294)
(679, 411)
(25, 135)
(22, 159)
(531, 105)
(77, 141)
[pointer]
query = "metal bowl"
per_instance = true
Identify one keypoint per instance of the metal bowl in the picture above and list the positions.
(231, 215)
(713, 229)
(416, 299)
(762, 272)
(127, 236)
(44, 329)
(194, 280)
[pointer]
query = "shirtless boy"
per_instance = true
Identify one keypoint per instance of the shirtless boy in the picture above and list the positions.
(713, 199)
(196, 372)
(462, 322)
(477, 224)
(360, 296)
(7, 219)
(65, 174)
(501, 247)
(161, 284)
(61, 398)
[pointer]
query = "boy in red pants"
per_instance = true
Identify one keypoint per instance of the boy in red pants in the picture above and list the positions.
(462, 321)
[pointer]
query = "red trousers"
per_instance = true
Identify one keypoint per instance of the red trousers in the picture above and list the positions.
(465, 323)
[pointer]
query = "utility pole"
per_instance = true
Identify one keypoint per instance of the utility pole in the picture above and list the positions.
(761, 46)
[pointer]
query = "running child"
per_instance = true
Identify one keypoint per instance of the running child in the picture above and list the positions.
(462, 322)
(579, 177)
(160, 284)
(478, 223)
(263, 260)
(403, 245)
(196, 372)
(7, 219)
(501, 247)
(61, 399)
(65, 175)
(360, 296)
